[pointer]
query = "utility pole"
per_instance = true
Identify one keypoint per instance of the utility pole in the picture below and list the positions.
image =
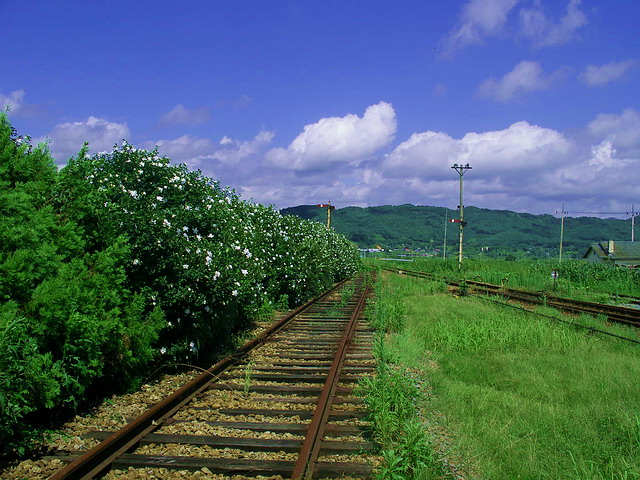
(633, 223)
(561, 231)
(633, 214)
(461, 169)
(329, 207)
(446, 220)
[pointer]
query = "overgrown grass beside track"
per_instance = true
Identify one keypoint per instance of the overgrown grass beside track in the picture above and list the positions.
(523, 397)
(392, 398)
(577, 278)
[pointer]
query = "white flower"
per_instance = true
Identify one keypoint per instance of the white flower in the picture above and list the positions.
(216, 275)
(136, 261)
(163, 350)
(234, 293)
(166, 223)
(159, 198)
(185, 228)
(247, 253)
(185, 266)
(244, 272)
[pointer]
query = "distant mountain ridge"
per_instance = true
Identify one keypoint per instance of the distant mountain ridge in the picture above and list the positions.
(496, 232)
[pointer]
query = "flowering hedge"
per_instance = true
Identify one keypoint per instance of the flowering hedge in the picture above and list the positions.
(207, 258)
(70, 327)
(122, 260)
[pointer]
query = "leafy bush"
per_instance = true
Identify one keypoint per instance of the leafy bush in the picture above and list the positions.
(209, 259)
(69, 325)
(124, 259)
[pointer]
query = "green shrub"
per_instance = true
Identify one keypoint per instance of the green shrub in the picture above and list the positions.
(70, 329)
(209, 259)
(124, 259)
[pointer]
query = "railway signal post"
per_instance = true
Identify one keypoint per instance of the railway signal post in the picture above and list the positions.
(461, 169)
(563, 213)
(329, 207)
(633, 223)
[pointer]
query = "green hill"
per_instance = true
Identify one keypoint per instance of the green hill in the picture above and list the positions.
(500, 232)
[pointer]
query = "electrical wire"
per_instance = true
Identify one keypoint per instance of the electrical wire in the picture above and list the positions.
(577, 325)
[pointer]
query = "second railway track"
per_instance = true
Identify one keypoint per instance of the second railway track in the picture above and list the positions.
(282, 405)
(614, 313)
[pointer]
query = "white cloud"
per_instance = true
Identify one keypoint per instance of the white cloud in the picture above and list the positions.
(180, 114)
(602, 155)
(230, 151)
(545, 32)
(522, 167)
(14, 100)
(102, 135)
(483, 19)
(228, 160)
(519, 148)
(184, 148)
(526, 77)
(597, 76)
(196, 151)
(622, 130)
(336, 140)
(479, 19)
(426, 153)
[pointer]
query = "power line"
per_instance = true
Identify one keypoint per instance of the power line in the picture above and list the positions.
(461, 169)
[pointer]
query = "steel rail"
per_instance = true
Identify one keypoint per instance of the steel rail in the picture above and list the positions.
(99, 458)
(550, 317)
(308, 455)
(616, 313)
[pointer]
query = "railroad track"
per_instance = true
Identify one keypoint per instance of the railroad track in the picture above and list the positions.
(283, 404)
(614, 313)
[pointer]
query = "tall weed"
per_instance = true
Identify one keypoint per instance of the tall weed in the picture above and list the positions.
(521, 392)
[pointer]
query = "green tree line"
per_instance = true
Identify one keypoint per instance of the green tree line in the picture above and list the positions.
(494, 232)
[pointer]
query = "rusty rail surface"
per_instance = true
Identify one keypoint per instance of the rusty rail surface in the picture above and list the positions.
(115, 449)
(310, 448)
(614, 313)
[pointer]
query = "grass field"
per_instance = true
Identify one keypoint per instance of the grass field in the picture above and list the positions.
(577, 278)
(517, 396)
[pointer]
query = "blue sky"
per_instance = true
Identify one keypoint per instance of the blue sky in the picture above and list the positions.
(353, 102)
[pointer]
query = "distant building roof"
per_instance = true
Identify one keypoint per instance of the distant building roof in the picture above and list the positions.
(615, 250)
